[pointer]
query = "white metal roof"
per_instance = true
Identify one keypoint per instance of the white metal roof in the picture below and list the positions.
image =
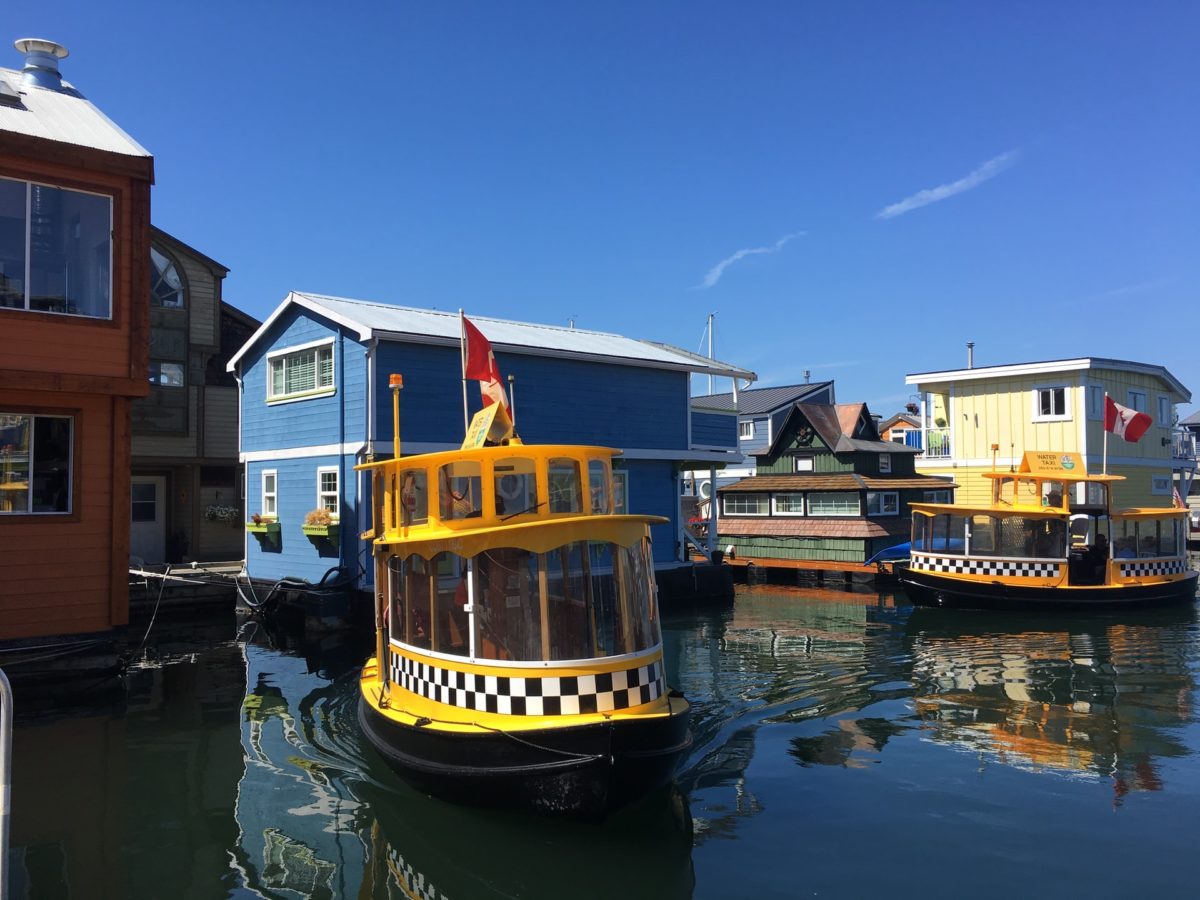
(430, 326)
(1050, 367)
(66, 116)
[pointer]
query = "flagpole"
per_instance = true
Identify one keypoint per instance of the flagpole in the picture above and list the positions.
(512, 400)
(1104, 468)
(462, 352)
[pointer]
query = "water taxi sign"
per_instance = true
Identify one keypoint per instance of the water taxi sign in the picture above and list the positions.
(1033, 463)
(490, 424)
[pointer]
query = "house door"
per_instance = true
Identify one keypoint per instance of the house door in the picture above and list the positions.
(148, 521)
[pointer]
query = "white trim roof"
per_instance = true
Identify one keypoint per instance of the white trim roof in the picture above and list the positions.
(65, 116)
(386, 322)
(1052, 367)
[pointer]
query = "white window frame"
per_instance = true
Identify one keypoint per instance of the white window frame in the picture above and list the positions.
(1095, 401)
(270, 499)
(1161, 485)
(1165, 413)
(885, 463)
(895, 495)
(766, 507)
(809, 498)
(1064, 416)
(776, 511)
(1135, 398)
(807, 458)
(746, 430)
(949, 496)
(322, 496)
(314, 347)
(898, 435)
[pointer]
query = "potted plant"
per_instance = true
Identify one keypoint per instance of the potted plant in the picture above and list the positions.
(320, 524)
(262, 525)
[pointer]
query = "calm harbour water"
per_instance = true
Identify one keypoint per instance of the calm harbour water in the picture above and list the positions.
(847, 745)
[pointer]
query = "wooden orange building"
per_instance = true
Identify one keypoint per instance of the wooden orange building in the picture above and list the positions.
(74, 270)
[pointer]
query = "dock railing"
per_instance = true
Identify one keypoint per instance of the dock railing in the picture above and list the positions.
(6, 728)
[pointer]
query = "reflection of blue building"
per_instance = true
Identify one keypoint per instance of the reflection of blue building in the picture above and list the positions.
(315, 401)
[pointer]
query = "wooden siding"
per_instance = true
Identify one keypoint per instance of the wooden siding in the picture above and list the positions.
(221, 422)
(67, 574)
(203, 304)
(837, 549)
(37, 344)
(169, 445)
(761, 439)
(714, 430)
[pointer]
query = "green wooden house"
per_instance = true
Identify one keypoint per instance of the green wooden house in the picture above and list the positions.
(826, 489)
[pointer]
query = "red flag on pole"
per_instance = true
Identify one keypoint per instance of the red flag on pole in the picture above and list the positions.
(1123, 421)
(479, 364)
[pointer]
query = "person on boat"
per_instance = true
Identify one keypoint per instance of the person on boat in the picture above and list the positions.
(1097, 558)
(1125, 549)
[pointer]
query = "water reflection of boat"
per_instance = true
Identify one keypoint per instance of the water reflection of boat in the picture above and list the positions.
(418, 845)
(1077, 695)
(519, 660)
(1048, 538)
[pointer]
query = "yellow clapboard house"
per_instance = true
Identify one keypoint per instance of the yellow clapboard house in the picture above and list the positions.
(977, 417)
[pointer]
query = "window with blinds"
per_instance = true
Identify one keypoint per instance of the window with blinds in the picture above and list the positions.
(300, 374)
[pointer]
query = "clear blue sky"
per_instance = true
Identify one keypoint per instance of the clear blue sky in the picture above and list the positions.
(910, 176)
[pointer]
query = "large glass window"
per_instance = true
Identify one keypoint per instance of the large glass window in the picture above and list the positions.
(166, 287)
(744, 504)
(69, 262)
(1017, 537)
(35, 464)
(833, 503)
(460, 490)
(1146, 538)
(301, 373)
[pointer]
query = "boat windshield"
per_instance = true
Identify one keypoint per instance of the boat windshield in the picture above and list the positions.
(583, 600)
(1011, 537)
(1146, 538)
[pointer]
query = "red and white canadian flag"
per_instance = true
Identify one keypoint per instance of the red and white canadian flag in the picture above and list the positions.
(479, 363)
(1123, 421)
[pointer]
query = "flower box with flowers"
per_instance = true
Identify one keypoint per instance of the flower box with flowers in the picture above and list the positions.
(321, 525)
(260, 524)
(227, 515)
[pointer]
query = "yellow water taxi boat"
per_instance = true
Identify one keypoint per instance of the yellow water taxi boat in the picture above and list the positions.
(1048, 539)
(519, 658)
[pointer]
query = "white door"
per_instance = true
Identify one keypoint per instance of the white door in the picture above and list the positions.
(148, 521)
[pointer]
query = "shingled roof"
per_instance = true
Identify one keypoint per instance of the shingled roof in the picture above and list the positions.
(844, 482)
(837, 424)
(760, 400)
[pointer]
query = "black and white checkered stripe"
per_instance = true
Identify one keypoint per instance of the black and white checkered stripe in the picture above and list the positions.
(1141, 569)
(963, 566)
(411, 881)
(550, 695)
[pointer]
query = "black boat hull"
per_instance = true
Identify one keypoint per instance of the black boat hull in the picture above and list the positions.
(928, 589)
(582, 771)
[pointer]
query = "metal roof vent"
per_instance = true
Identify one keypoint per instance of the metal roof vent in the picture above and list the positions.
(41, 62)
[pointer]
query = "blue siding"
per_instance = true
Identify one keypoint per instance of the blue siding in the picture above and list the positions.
(296, 491)
(653, 492)
(759, 441)
(332, 419)
(557, 400)
(714, 430)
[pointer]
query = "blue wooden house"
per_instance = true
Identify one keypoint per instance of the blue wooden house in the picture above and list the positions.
(315, 402)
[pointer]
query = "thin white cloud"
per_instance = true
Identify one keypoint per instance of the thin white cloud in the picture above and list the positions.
(715, 273)
(989, 169)
(1140, 288)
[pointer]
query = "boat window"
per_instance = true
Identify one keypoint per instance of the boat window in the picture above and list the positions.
(411, 611)
(922, 526)
(516, 486)
(1168, 537)
(1089, 493)
(1005, 490)
(584, 600)
(565, 486)
(598, 485)
(1052, 493)
(948, 534)
(413, 496)
(448, 585)
(459, 490)
(1146, 538)
(983, 536)
(1016, 537)
(507, 610)
(1027, 491)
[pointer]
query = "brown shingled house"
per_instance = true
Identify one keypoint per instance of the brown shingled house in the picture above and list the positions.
(827, 488)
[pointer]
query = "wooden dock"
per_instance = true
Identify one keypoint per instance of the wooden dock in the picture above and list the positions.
(820, 571)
